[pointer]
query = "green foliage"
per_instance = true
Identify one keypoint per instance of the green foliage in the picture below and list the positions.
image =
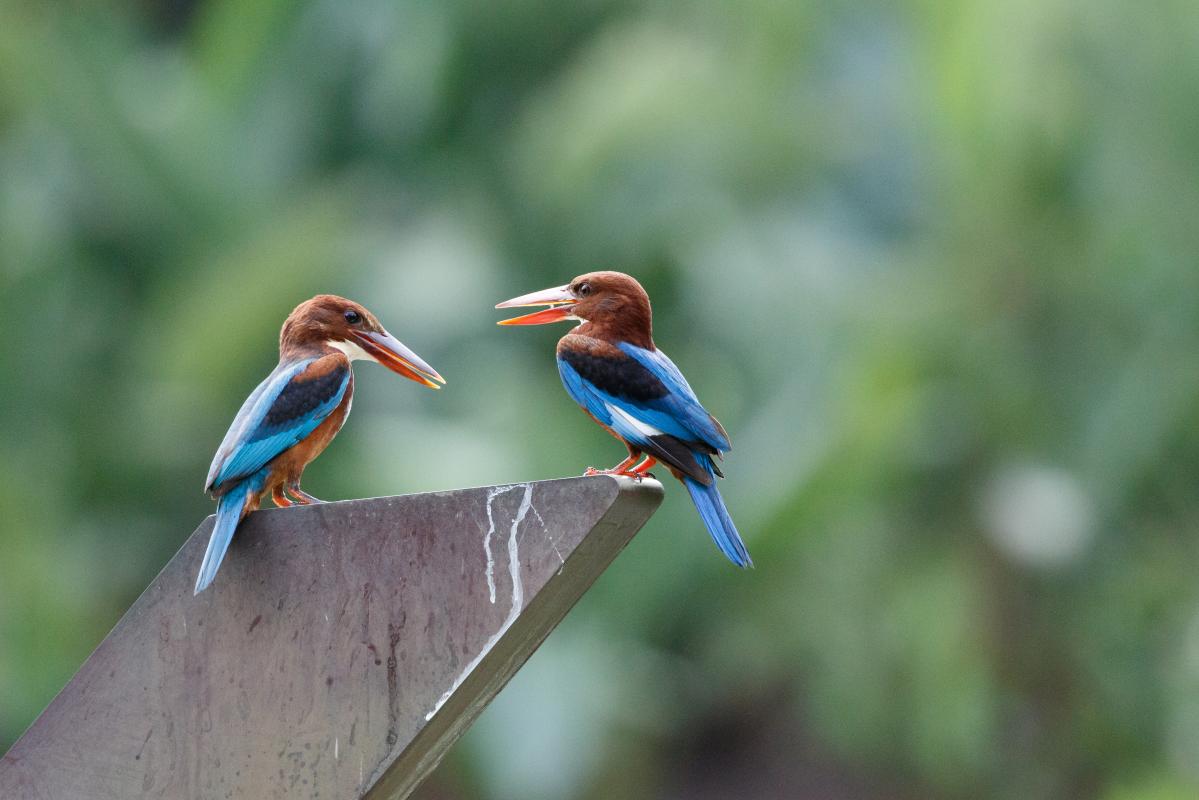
(932, 264)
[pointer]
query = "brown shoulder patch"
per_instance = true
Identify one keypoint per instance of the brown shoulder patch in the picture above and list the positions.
(589, 345)
(333, 362)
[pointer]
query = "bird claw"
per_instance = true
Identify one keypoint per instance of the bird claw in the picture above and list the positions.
(627, 473)
(302, 497)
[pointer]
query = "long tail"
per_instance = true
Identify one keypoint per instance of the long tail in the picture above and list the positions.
(229, 511)
(716, 517)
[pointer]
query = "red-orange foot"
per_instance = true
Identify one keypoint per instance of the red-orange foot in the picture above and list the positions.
(620, 469)
(281, 500)
(643, 467)
(638, 472)
(302, 497)
(628, 473)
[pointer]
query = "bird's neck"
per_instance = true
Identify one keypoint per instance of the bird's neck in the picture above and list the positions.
(299, 349)
(615, 331)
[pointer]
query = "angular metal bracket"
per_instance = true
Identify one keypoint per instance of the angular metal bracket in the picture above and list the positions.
(341, 651)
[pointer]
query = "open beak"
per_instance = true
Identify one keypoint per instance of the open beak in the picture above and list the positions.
(393, 354)
(559, 299)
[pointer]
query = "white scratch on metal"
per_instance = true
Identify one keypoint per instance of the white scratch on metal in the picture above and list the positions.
(518, 589)
(336, 748)
(492, 493)
(550, 539)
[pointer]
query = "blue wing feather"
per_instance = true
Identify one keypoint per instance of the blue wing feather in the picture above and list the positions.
(635, 422)
(607, 409)
(584, 393)
(251, 442)
(679, 415)
(680, 409)
(680, 404)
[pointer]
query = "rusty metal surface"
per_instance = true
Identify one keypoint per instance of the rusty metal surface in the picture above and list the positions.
(340, 652)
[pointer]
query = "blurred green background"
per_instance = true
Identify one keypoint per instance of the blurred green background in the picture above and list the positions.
(931, 263)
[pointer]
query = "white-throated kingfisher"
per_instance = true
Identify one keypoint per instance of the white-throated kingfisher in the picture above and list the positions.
(293, 415)
(611, 368)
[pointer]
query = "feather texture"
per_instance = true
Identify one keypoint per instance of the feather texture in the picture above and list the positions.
(716, 519)
(282, 411)
(286, 407)
(230, 510)
(641, 396)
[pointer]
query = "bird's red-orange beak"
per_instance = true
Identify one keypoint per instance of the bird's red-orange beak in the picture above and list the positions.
(559, 299)
(393, 354)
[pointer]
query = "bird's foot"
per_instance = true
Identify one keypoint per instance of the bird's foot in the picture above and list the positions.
(642, 469)
(281, 499)
(302, 497)
(628, 473)
(623, 468)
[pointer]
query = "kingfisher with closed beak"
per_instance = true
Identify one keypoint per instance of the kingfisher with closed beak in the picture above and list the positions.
(611, 368)
(293, 415)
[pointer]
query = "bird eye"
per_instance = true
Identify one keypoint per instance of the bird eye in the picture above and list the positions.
(583, 290)
(353, 317)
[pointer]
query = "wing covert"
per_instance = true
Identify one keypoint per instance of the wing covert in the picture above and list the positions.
(284, 409)
(654, 433)
(680, 401)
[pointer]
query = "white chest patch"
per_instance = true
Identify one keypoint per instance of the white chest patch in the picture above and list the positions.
(627, 420)
(352, 350)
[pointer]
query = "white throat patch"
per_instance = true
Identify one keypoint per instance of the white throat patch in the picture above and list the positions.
(352, 350)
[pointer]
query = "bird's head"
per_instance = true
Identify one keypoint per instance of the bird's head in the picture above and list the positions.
(329, 320)
(611, 301)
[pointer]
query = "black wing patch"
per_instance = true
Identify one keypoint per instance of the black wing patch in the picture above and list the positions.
(301, 397)
(678, 454)
(621, 376)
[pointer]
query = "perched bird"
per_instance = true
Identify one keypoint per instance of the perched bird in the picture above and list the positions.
(293, 415)
(611, 368)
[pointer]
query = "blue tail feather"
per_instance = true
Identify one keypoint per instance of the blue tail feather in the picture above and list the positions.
(716, 518)
(228, 514)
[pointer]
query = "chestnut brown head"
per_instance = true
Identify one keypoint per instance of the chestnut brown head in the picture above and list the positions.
(611, 301)
(332, 321)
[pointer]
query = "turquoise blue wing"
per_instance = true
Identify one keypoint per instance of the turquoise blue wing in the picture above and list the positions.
(679, 403)
(623, 410)
(283, 410)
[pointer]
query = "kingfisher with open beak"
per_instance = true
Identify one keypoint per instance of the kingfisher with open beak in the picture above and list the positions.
(611, 368)
(293, 415)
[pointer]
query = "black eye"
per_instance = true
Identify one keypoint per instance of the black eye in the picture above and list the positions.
(583, 290)
(353, 317)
